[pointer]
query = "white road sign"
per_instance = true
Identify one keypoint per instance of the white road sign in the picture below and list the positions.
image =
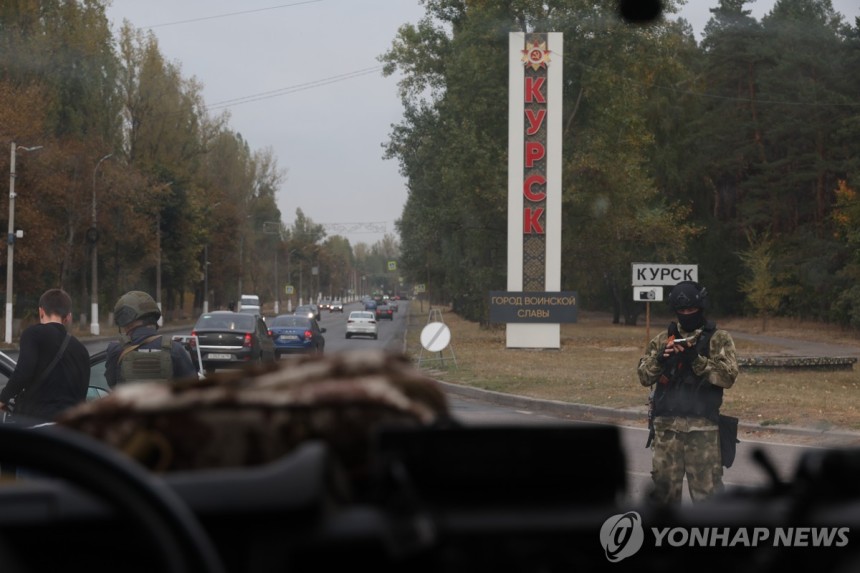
(650, 274)
(435, 336)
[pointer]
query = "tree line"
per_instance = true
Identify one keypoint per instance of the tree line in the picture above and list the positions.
(737, 152)
(119, 161)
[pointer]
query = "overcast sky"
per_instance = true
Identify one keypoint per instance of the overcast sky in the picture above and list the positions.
(302, 77)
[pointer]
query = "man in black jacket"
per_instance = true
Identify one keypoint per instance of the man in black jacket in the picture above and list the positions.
(41, 387)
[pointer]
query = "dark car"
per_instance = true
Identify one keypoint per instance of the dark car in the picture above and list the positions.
(229, 339)
(309, 310)
(384, 311)
(296, 334)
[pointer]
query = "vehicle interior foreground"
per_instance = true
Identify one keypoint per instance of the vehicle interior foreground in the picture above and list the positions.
(353, 458)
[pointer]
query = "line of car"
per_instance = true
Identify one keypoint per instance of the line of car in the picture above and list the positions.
(332, 305)
(225, 339)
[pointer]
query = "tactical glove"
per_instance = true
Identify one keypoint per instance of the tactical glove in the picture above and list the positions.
(688, 356)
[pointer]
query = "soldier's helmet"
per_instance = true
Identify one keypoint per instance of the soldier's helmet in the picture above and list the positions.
(135, 305)
(688, 294)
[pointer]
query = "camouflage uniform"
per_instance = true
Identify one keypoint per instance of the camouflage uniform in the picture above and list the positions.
(688, 444)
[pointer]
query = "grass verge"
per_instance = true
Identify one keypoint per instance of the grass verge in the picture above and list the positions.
(596, 365)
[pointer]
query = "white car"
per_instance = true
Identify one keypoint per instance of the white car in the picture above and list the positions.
(362, 323)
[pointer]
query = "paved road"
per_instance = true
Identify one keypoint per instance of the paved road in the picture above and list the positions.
(745, 473)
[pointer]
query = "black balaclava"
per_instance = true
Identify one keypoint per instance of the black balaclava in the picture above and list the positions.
(690, 322)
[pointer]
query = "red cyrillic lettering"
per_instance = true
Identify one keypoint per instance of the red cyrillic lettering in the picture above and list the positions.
(534, 152)
(527, 188)
(533, 90)
(531, 222)
(535, 120)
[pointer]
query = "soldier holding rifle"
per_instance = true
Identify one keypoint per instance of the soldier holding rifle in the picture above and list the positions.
(689, 366)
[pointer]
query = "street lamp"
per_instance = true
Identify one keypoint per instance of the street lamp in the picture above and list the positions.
(94, 238)
(11, 237)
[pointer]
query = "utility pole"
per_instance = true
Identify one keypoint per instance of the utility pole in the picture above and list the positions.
(206, 262)
(205, 278)
(11, 236)
(158, 268)
(241, 268)
(290, 279)
(10, 251)
(277, 292)
(94, 237)
(158, 257)
(275, 228)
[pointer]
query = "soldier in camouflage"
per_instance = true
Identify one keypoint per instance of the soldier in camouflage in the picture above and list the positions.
(141, 353)
(688, 379)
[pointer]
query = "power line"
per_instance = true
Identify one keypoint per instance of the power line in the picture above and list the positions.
(203, 18)
(293, 89)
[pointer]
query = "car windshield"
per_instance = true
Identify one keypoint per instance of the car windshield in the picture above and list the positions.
(604, 257)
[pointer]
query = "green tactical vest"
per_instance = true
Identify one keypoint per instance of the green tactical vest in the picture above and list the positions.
(145, 364)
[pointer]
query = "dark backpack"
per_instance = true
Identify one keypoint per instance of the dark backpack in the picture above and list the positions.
(146, 364)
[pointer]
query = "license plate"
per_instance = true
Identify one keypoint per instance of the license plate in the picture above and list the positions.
(288, 337)
(219, 356)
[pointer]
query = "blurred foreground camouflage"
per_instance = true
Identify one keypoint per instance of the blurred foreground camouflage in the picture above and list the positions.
(254, 416)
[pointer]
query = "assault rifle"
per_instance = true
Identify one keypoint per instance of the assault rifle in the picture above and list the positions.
(650, 420)
(666, 375)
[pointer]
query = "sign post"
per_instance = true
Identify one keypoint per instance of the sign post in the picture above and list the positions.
(647, 294)
(435, 337)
